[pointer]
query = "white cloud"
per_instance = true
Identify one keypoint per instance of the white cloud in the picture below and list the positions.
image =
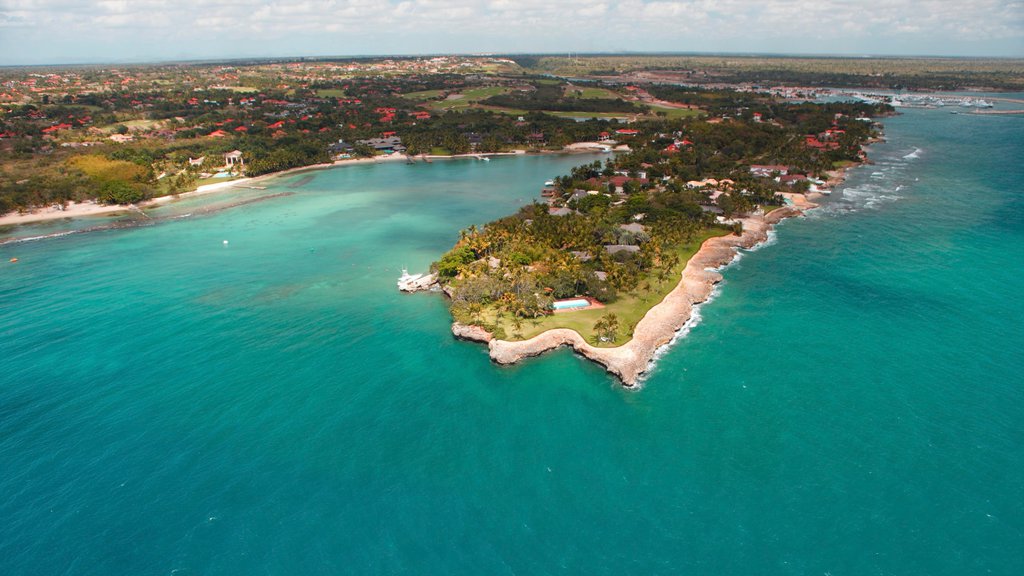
(410, 26)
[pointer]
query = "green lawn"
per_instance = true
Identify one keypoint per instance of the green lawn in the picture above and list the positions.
(676, 112)
(629, 308)
(132, 125)
(607, 115)
(423, 95)
(468, 98)
(572, 91)
(331, 93)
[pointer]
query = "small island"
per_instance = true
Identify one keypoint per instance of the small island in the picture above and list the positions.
(614, 258)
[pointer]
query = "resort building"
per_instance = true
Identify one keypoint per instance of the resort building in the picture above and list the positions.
(234, 158)
(387, 144)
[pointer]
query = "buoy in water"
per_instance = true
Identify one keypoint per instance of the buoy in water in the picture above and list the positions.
(225, 241)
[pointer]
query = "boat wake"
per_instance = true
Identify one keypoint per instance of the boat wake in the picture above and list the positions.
(914, 155)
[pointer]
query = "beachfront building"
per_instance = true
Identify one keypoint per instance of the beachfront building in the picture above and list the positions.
(233, 159)
(340, 147)
(387, 144)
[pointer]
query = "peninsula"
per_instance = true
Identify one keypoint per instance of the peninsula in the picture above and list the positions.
(614, 258)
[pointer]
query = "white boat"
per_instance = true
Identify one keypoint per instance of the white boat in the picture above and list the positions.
(407, 278)
(549, 183)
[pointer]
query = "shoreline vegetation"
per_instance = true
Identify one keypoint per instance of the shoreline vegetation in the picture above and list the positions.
(78, 137)
(90, 209)
(661, 324)
(593, 268)
(618, 248)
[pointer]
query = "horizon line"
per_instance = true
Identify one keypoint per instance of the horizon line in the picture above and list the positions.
(315, 57)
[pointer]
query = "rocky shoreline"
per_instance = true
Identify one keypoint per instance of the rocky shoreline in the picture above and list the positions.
(661, 323)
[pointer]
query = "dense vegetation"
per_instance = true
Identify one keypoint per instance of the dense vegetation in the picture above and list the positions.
(620, 231)
(58, 126)
(887, 73)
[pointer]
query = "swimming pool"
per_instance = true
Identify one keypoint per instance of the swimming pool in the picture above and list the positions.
(569, 304)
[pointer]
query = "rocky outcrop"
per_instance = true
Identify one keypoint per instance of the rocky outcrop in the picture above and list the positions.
(660, 324)
(470, 332)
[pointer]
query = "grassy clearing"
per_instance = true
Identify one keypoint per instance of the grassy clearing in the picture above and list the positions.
(132, 125)
(239, 89)
(630, 308)
(589, 92)
(676, 112)
(468, 98)
(604, 115)
(331, 93)
(423, 95)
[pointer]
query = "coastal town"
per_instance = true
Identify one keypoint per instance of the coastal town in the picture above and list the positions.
(83, 140)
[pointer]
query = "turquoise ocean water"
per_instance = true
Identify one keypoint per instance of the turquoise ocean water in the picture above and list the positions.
(852, 402)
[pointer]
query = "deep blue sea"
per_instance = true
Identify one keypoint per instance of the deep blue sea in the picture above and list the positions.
(850, 403)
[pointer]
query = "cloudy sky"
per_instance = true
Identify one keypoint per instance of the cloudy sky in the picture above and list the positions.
(64, 31)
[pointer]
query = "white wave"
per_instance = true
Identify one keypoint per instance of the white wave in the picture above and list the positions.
(43, 237)
(736, 258)
(695, 316)
(694, 319)
(771, 240)
(914, 155)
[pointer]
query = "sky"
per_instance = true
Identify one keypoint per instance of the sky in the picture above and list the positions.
(78, 31)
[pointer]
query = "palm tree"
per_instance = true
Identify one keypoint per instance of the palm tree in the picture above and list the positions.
(607, 328)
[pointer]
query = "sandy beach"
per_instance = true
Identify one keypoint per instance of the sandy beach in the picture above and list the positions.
(661, 323)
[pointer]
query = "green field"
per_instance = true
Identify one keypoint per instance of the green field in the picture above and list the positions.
(603, 115)
(468, 98)
(572, 91)
(676, 112)
(629, 308)
(330, 93)
(132, 125)
(423, 95)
